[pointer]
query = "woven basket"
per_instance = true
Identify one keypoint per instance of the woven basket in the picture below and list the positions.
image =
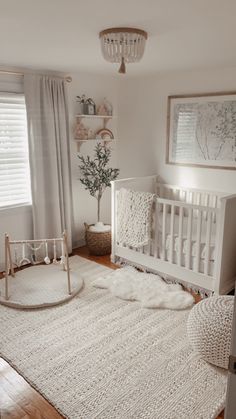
(99, 243)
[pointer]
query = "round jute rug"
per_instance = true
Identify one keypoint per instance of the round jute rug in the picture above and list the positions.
(40, 286)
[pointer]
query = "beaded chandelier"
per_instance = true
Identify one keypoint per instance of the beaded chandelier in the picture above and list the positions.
(123, 45)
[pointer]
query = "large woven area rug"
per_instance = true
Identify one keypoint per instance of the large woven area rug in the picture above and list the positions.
(101, 357)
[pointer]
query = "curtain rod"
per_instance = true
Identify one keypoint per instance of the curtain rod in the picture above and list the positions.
(18, 73)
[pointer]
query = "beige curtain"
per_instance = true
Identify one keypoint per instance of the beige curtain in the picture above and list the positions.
(47, 113)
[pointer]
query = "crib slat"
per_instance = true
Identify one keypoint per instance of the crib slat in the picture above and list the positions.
(142, 249)
(198, 241)
(152, 230)
(215, 201)
(148, 247)
(191, 196)
(189, 238)
(164, 233)
(188, 197)
(206, 203)
(208, 243)
(172, 219)
(156, 234)
(180, 244)
(183, 195)
(198, 198)
(203, 199)
(215, 206)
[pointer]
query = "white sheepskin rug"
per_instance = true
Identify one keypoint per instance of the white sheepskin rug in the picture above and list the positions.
(129, 284)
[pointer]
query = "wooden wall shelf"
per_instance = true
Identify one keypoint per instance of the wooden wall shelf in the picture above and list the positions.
(95, 116)
(104, 118)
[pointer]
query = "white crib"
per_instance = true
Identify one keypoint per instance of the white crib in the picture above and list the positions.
(193, 235)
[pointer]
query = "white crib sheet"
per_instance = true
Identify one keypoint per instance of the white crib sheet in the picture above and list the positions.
(193, 248)
(184, 236)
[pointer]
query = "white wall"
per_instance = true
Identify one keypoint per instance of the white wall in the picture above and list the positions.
(142, 126)
(85, 206)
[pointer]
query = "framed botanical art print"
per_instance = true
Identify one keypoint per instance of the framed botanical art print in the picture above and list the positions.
(201, 130)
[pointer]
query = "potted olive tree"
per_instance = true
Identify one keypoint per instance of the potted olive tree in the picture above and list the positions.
(96, 177)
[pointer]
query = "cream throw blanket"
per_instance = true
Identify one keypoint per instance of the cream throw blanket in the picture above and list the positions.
(134, 217)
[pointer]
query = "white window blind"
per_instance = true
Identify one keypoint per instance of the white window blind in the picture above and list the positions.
(15, 186)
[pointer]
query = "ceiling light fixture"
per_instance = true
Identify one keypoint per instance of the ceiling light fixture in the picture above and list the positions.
(123, 45)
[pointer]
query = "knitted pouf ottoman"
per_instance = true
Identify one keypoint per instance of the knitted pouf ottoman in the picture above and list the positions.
(209, 328)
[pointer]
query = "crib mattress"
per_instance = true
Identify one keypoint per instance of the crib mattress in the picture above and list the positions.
(193, 250)
(183, 247)
(193, 260)
(185, 226)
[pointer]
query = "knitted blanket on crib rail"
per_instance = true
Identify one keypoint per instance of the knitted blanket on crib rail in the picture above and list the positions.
(134, 212)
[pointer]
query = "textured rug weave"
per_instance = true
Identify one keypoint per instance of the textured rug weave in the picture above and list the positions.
(101, 357)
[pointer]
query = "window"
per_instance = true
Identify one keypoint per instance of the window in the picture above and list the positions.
(15, 186)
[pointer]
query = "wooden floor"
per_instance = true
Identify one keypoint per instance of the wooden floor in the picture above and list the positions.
(18, 400)
(103, 260)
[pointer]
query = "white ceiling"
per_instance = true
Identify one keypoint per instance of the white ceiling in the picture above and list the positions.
(62, 35)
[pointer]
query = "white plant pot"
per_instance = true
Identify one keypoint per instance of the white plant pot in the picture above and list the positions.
(99, 227)
(99, 224)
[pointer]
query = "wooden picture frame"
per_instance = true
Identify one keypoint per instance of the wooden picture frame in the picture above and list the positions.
(201, 130)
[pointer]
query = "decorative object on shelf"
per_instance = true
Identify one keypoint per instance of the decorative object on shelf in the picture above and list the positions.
(104, 134)
(96, 177)
(105, 108)
(81, 132)
(85, 106)
(89, 107)
(102, 110)
(108, 106)
(90, 134)
(123, 45)
(202, 130)
(80, 104)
